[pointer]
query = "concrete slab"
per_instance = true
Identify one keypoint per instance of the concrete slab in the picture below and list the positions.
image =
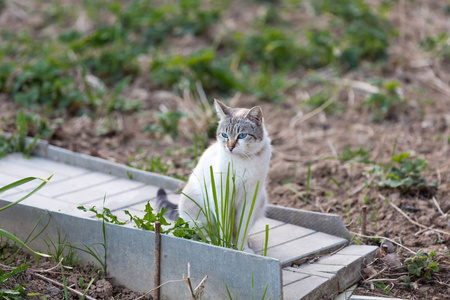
(327, 223)
(290, 277)
(260, 225)
(49, 204)
(46, 165)
(107, 167)
(13, 169)
(91, 179)
(327, 271)
(101, 190)
(360, 250)
(309, 288)
(298, 249)
(278, 236)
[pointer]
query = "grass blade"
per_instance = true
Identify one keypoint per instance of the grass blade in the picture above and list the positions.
(266, 242)
(20, 182)
(17, 240)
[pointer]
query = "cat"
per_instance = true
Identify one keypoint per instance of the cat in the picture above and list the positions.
(244, 145)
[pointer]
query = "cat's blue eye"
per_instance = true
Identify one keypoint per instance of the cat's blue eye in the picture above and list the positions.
(242, 136)
(225, 135)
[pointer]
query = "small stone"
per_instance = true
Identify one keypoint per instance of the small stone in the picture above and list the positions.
(388, 247)
(392, 260)
(369, 271)
(425, 220)
(53, 290)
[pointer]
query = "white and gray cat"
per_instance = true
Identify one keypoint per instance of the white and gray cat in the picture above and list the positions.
(242, 143)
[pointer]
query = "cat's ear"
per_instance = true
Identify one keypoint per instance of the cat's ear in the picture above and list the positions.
(255, 114)
(223, 111)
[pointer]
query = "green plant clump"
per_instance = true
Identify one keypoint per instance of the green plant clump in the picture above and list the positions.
(167, 123)
(325, 99)
(45, 84)
(360, 154)
(203, 66)
(362, 34)
(438, 46)
(17, 142)
(387, 103)
(403, 173)
(422, 265)
(180, 228)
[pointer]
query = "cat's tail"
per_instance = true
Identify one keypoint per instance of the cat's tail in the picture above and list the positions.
(163, 201)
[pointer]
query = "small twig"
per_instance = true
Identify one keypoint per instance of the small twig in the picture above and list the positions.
(188, 282)
(170, 281)
(62, 285)
(201, 286)
(411, 220)
(375, 275)
(385, 238)
(421, 231)
(381, 280)
(312, 113)
(333, 150)
(438, 207)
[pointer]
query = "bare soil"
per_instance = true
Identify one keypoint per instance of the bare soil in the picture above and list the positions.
(301, 139)
(36, 279)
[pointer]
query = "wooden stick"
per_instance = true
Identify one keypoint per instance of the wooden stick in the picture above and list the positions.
(364, 220)
(61, 285)
(157, 261)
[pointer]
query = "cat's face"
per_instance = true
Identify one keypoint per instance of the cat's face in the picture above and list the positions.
(240, 131)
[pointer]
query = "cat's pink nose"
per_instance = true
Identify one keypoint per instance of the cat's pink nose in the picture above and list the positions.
(231, 148)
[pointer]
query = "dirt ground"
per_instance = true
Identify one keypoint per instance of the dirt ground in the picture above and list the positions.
(38, 275)
(306, 141)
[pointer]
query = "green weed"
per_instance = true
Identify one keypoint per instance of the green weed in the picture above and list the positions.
(61, 250)
(154, 165)
(44, 84)
(273, 47)
(267, 85)
(403, 173)
(203, 65)
(180, 228)
(387, 103)
(360, 154)
(111, 65)
(422, 265)
(362, 34)
(438, 46)
(19, 290)
(153, 25)
(17, 141)
(323, 98)
(166, 123)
